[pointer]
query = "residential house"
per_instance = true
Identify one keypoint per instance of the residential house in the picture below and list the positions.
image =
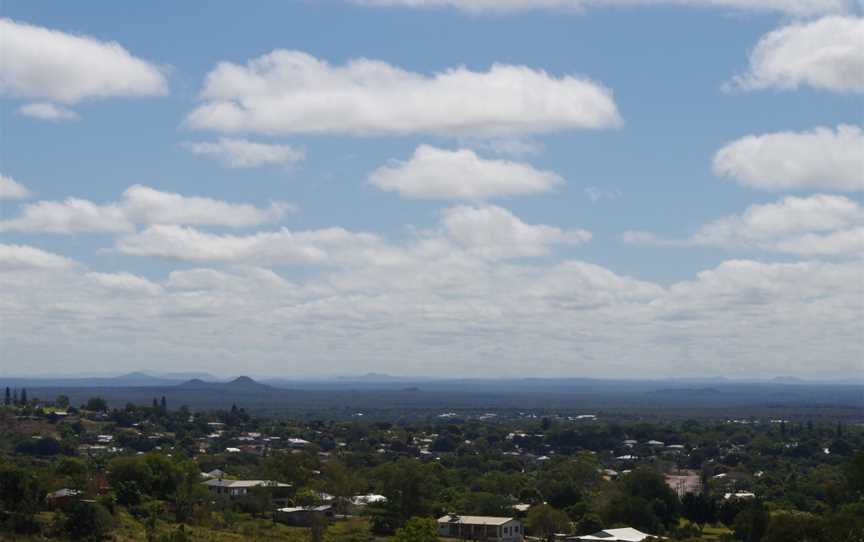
(304, 516)
(62, 498)
(482, 528)
(233, 489)
(626, 534)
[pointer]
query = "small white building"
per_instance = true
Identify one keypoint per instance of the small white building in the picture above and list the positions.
(492, 529)
(626, 534)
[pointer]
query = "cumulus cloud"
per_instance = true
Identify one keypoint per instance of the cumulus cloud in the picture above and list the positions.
(289, 92)
(242, 153)
(49, 64)
(12, 189)
(790, 7)
(22, 257)
(139, 205)
(819, 225)
(826, 54)
(433, 173)
(819, 159)
(496, 233)
(48, 111)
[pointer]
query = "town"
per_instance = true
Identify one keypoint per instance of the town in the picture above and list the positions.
(158, 472)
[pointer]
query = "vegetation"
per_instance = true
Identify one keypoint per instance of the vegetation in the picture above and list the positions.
(138, 473)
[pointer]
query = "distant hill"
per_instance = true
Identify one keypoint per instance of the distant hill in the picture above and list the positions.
(687, 391)
(239, 384)
(246, 383)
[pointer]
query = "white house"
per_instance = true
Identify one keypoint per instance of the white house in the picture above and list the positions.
(492, 529)
(239, 488)
(627, 534)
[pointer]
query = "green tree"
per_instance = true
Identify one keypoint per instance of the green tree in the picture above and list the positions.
(545, 521)
(417, 530)
(96, 404)
(855, 475)
(752, 522)
(20, 496)
(793, 527)
(410, 487)
(88, 521)
(589, 524)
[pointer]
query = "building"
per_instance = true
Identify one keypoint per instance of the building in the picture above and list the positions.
(627, 534)
(492, 529)
(62, 498)
(304, 516)
(239, 488)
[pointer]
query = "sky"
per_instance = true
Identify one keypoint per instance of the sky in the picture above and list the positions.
(456, 188)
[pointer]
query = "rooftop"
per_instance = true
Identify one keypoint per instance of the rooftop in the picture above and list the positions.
(474, 520)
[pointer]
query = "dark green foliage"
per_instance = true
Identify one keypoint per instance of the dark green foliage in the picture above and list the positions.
(647, 503)
(752, 522)
(417, 530)
(96, 404)
(20, 497)
(544, 521)
(87, 521)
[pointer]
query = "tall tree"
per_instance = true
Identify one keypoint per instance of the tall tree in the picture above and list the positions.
(545, 521)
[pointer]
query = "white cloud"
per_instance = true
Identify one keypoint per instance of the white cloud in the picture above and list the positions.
(819, 225)
(242, 153)
(145, 205)
(73, 215)
(12, 189)
(282, 247)
(22, 257)
(125, 283)
(287, 92)
(826, 54)
(140, 205)
(791, 7)
(496, 233)
(48, 111)
(819, 159)
(48, 64)
(466, 235)
(433, 173)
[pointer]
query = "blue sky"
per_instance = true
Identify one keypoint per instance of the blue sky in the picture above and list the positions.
(639, 257)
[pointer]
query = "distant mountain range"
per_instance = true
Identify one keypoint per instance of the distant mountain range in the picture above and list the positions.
(372, 380)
